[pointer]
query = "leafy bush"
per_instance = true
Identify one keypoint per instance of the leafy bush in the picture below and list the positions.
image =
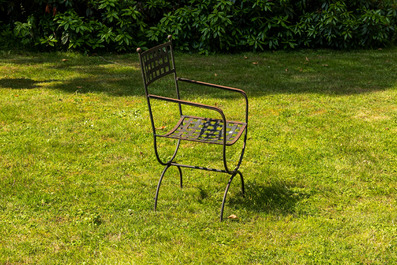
(338, 25)
(204, 26)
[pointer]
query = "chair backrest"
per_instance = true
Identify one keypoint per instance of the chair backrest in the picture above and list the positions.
(157, 62)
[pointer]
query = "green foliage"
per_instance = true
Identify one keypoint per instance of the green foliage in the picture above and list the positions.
(204, 26)
(338, 26)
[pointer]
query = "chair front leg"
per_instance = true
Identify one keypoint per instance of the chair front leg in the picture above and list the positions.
(227, 189)
(158, 186)
(161, 179)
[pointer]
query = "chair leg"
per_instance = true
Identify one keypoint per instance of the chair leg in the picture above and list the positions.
(242, 183)
(158, 186)
(180, 176)
(161, 179)
(227, 189)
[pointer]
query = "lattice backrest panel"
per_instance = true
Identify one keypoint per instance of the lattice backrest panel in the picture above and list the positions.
(157, 62)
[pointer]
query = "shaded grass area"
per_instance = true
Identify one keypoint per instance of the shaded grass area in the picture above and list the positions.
(78, 174)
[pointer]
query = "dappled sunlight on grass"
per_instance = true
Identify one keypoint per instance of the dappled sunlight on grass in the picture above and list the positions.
(78, 173)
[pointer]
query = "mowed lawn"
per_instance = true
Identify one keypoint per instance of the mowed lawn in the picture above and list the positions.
(78, 172)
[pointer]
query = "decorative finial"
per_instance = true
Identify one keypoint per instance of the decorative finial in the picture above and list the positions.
(169, 37)
(138, 50)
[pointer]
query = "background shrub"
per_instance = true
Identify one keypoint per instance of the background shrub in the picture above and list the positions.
(204, 26)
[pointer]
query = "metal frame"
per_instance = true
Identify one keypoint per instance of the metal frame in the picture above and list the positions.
(158, 62)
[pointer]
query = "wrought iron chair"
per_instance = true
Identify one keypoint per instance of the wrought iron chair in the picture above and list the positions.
(158, 62)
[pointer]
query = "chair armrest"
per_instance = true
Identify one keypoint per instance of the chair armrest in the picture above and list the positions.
(195, 105)
(212, 85)
(221, 87)
(190, 104)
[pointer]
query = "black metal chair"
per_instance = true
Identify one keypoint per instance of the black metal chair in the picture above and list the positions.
(158, 62)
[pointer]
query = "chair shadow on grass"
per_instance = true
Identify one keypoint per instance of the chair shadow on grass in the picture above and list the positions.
(277, 197)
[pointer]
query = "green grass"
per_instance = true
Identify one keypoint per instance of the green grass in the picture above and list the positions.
(78, 172)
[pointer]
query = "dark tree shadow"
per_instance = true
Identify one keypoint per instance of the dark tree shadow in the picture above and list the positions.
(322, 72)
(276, 198)
(102, 77)
(18, 83)
(326, 72)
(114, 87)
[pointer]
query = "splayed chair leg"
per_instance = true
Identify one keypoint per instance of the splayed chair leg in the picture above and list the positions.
(158, 186)
(227, 189)
(161, 179)
(180, 176)
(242, 183)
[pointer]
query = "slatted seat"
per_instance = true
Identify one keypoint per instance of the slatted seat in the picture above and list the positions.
(206, 130)
(159, 62)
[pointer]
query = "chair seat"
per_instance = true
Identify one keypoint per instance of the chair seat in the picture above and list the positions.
(206, 130)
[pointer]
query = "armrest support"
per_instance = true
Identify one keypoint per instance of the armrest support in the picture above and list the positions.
(242, 92)
(190, 104)
(195, 105)
(212, 85)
